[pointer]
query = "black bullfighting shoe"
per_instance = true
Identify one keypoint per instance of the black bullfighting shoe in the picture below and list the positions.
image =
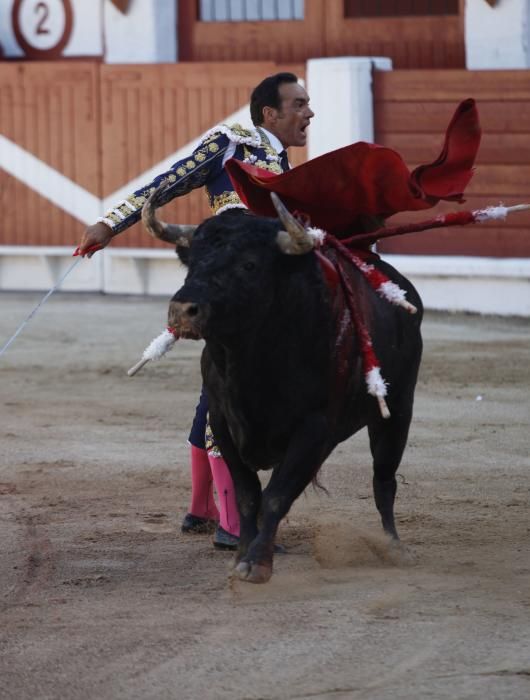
(224, 540)
(197, 525)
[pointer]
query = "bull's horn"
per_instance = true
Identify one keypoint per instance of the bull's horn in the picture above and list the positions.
(169, 233)
(294, 240)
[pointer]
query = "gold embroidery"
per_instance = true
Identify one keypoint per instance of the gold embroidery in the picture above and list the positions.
(200, 157)
(126, 211)
(209, 441)
(190, 164)
(269, 165)
(181, 171)
(213, 147)
(221, 200)
(115, 219)
(239, 130)
(211, 137)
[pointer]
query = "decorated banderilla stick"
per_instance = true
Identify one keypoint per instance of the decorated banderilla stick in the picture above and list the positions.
(156, 349)
(458, 218)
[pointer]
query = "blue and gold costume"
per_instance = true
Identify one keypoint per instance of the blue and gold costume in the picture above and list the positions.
(204, 168)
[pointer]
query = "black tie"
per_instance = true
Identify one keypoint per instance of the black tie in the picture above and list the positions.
(284, 161)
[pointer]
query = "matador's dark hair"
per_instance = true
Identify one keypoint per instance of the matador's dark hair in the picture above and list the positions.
(266, 94)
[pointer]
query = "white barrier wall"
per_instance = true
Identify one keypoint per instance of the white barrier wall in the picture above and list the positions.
(146, 34)
(341, 97)
(499, 36)
(112, 271)
(480, 285)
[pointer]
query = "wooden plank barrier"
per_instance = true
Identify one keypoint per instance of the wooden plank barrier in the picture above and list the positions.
(51, 112)
(101, 127)
(412, 111)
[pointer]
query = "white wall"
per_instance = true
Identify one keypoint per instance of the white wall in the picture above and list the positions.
(480, 285)
(341, 97)
(146, 34)
(497, 37)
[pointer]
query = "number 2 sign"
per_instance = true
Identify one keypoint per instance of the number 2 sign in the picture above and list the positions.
(42, 28)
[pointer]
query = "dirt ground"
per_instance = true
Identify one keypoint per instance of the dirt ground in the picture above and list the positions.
(101, 596)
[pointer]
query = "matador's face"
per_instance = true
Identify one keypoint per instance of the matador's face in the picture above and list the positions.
(290, 121)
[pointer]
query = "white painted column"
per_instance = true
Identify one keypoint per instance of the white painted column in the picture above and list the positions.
(341, 97)
(146, 34)
(497, 37)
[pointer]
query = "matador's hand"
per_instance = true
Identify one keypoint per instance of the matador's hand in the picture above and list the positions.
(94, 238)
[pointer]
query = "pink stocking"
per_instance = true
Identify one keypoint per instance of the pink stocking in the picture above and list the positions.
(229, 514)
(202, 501)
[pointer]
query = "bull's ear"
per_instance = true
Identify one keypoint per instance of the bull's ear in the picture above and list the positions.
(169, 233)
(295, 240)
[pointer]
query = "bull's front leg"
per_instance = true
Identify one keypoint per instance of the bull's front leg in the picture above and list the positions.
(305, 453)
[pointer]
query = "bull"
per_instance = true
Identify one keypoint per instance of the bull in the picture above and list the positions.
(282, 363)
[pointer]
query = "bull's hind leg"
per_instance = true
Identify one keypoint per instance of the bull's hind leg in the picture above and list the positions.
(388, 439)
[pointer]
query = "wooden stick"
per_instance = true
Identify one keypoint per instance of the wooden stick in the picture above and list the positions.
(385, 412)
(138, 366)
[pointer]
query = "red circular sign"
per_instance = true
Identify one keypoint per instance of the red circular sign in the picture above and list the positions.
(39, 33)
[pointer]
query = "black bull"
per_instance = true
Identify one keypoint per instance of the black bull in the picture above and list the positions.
(283, 390)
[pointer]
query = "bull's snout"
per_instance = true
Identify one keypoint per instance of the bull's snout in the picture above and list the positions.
(185, 317)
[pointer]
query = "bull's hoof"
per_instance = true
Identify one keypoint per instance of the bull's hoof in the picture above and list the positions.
(253, 573)
(402, 554)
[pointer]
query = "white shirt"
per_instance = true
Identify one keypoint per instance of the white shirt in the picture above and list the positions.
(273, 140)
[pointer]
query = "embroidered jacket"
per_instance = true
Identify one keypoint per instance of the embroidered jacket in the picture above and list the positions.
(204, 167)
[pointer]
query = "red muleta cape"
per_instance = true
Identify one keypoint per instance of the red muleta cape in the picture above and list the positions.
(338, 190)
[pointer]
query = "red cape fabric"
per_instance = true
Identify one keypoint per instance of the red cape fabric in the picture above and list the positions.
(339, 190)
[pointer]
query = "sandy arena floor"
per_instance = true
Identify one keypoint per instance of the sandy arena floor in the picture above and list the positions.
(102, 598)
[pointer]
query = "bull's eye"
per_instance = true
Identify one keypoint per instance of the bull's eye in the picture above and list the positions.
(249, 266)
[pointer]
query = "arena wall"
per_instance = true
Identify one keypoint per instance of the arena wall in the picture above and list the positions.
(75, 137)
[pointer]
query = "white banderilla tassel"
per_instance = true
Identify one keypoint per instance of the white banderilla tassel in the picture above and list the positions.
(500, 212)
(377, 387)
(395, 295)
(155, 350)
